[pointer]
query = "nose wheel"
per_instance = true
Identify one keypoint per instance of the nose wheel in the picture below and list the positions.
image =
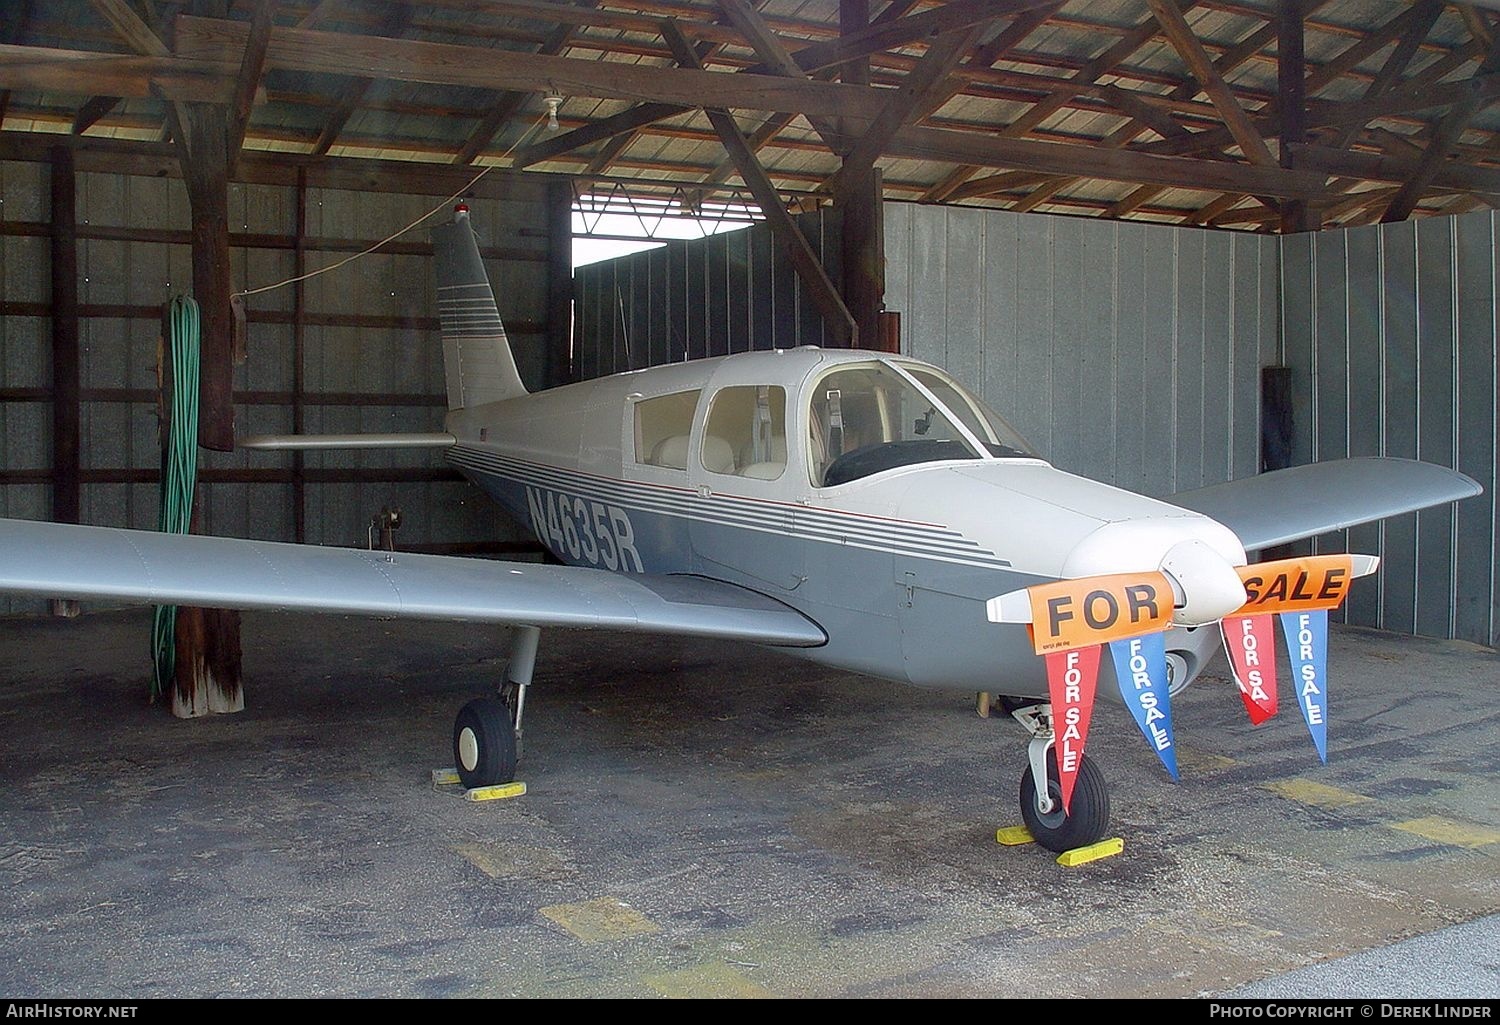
(484, 744)
(1087, 818)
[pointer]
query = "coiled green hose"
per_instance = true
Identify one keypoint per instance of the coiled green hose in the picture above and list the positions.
(179, 475)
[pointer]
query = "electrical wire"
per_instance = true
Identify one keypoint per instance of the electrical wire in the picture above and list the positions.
(180, 474)
(391, 238)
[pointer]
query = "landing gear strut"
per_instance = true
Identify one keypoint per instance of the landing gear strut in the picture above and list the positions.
(1087, 818)
(487, 732)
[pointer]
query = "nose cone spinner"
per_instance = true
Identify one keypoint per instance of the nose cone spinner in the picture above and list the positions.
(1197, 555)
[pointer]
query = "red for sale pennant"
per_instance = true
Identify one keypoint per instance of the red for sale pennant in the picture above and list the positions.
(1250, 642)
(1071, 676)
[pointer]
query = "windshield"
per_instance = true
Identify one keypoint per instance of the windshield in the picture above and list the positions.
(867, 417)
(999, 437)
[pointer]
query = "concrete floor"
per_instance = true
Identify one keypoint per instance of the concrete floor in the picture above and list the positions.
(703, 819)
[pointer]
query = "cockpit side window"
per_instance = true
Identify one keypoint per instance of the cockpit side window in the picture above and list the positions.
(745, 433)
(866, 418)
(662, 426)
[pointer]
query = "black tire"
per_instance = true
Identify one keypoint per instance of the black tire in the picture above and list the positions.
(1087, 820)
(484, 744)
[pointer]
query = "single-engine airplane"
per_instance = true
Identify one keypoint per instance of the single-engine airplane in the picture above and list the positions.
(861, 510)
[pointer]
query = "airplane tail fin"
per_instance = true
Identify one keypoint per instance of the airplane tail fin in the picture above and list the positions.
(477, 360)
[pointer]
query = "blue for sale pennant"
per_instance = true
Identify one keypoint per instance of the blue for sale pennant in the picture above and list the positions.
(1141, 672)
(1307, 645)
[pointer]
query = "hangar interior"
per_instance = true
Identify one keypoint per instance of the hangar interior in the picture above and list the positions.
(1111, 219)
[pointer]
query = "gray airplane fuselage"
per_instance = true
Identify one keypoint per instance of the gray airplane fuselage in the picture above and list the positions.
(895, 565)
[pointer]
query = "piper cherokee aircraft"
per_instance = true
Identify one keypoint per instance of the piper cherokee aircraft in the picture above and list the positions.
(857, 509)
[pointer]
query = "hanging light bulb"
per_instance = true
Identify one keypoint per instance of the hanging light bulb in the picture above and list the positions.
(552, 102)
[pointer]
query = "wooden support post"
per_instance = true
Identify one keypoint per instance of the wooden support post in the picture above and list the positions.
(1291, 90)
(862, 243)
(559, 366)
(206, 170)
(66, 458)
(208, 640)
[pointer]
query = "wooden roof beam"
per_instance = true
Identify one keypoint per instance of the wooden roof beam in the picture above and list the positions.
(130, 28)
(920, 87)
(510, 103)
(1191, 51)
(1050, 104)
(1444, 137)
(94, 108)
(396, 21)
(774, 55)
(11, 33)
(1377, 167)
(822, 291)
(251, 66)
(411, 60)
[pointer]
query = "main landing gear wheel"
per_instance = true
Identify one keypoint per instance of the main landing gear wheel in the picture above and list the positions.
(1088, 819)
(484, 743)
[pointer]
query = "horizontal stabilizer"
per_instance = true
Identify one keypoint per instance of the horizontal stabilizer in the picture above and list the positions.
(65, 561)
(325, 442)
(1304, 501)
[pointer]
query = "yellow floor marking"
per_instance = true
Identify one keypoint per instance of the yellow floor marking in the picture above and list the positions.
(1450, 831)
(441, 777)
(1093, 852)
(491, 862)
(715, 979)
(495, 793)
(600, 920)
(1318, 795)
(1013, 836)
(1202, 761)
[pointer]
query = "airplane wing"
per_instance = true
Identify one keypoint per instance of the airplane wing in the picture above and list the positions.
(1304, 501)
(66, 561)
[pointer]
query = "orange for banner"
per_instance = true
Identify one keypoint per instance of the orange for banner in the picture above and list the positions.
(1093, 610)
(1296, 585)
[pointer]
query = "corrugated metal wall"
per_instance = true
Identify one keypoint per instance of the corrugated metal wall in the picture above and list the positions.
(734, 292)
(122, 282)
(1390, 331)
(1130, 353)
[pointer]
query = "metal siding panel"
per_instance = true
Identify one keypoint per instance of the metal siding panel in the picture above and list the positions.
(1399, 311)
(1158, 351)
(963, 340)
(1363, 412)
(1189, 361)
(658, 341)
(1244, 356)
(1034, 322)
(677, 275)
(1218, 358)
(1070, 350)
(1130, 398)
(1436, 327)
(1298, 337)
(719, 330)
(1475, 534)
(1099, 297)
(697, 307)
(998, 300)
(1330, 363)
(760, 292)
(897, 219)
(787, 325)
(737, 290)
(925, 323)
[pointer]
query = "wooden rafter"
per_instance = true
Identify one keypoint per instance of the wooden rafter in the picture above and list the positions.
(911, 98)
(394, 24)
(824, 295)
(129, 27)
(94, 108)
(773, 55)
(251, 66)
(1190, 49)
(510, 103)
(13, 31)
(1054, 101)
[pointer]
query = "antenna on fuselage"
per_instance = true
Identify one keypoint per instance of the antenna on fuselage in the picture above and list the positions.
(624, 328)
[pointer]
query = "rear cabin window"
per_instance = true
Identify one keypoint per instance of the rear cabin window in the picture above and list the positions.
(662, 426)
(746, 432)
